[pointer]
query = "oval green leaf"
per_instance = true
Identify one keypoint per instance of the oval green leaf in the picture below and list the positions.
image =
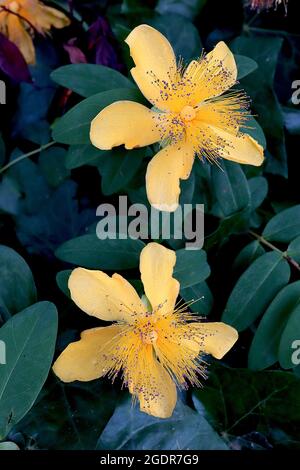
(248, 254)
(191, 267)
(90, 252)
(290, 341)
(264, 348)
(230, 187)
(245, 65)
(29, 338)
(74, 126)
(89, 79)
(294, 249)
(284, 227)
(255, 289)
(17, 287)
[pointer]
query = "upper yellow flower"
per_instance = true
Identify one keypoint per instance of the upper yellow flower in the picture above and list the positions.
(153, 343)
(266, 4)
(19, 19)
(191, 116)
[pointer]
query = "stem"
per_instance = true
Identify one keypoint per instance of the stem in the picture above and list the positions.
(265, 242)
(26, 155)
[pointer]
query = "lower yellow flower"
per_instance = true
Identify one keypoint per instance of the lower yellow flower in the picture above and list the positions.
(194, 114)
(155, 344)
(20, 18)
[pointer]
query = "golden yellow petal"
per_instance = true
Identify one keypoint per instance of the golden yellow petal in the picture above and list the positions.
(124, 122)
(154, 387)
(105, 297)
(156, 266)
(18, 35)
(212, 75)
(155, 62)
(85, 359)
(164, 172)
(53, 17)
(41, 16)
(241, 148)
(215, 338)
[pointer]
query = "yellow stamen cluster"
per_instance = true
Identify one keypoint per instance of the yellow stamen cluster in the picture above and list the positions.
(171, 338)
(192, 116)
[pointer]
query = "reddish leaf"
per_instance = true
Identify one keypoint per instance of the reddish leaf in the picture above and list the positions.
(103, 44)
(76, 55)
(12, 62)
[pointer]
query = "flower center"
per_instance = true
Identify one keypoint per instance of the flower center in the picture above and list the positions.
(188, 113)
(14, 7)
(150, 337)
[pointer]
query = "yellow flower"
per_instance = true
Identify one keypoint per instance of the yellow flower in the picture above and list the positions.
(155, 344)
(20, 18)
(191, 115)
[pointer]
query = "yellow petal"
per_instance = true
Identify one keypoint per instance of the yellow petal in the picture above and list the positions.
(41, 16)
(153, 386)
(53, 17)
(212, 75)
(156, 266)
(164, 172)
(85, 359)
(18, 35)
(124, 122)
(241, 148)
(216, 338)
(155, 62)
(105, 297)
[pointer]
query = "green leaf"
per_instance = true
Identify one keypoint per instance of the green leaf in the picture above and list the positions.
(180, 32)
(17, 287)
(230, 186)
(119, 168)
(191, 267)
(254, 129)
(9, 196)
(245, 65)
(265, 345)
(284, 227)
(52, 165)
(265, 49)
(255, 289)
(201, 297)
(89, 79)
(69, 416)
(90, 252)
(258, 189)
(294, 249)
(129, 429)
(62, 279)
(248, 254)
(74, 126)
(8, 446)
(187, 8)
(240, 401)
(30, 338)
(290, 340)
(79, 155)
